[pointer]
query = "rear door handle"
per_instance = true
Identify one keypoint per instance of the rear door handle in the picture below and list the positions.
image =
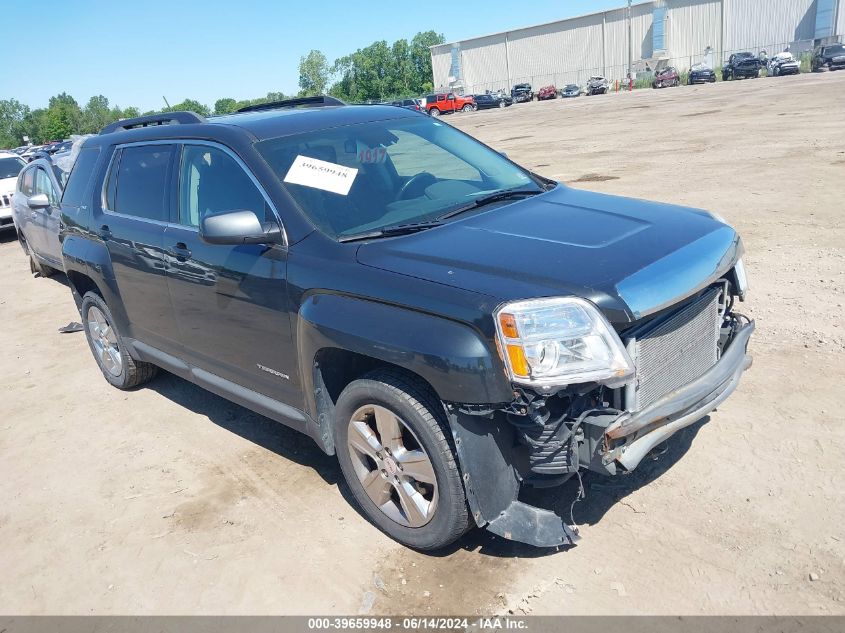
(180, 251)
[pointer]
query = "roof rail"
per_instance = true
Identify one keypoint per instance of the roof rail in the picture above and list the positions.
(162, 118)
(310, 102)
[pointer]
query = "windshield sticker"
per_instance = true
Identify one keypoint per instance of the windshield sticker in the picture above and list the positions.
(371, 155)
(320, 174)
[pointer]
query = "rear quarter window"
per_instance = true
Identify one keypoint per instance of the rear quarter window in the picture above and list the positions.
(79, 176)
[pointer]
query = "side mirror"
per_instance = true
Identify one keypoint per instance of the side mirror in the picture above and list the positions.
(238, 227)
(39, 201)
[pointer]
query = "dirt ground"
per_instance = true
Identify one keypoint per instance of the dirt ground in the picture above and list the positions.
(171, 500)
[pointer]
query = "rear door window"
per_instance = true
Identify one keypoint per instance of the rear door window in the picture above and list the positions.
(137, 184)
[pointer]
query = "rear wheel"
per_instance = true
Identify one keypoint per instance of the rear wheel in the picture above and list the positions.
(396, 455)
(108, 348)
(434, 112)
(467, 108)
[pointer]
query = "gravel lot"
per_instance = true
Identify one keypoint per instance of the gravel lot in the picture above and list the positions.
(171, 500)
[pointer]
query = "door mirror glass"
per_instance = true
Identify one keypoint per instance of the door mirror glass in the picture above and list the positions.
(237, 227)
(39, 201)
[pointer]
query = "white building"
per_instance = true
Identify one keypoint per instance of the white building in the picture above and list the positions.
(672, 32)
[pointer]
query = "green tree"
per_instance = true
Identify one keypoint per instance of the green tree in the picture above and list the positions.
(225, 106)
(12, 115)
(421, 59)
(63, 117)
(379, 72)
(313, 74)
(96, 115)
(190, 105)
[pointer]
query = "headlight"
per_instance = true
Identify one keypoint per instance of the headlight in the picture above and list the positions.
(741, 279)
(560, 341)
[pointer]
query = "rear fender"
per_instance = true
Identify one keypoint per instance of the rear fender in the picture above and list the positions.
(91, 259)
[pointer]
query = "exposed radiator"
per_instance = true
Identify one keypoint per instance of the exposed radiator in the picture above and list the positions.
(676, 351)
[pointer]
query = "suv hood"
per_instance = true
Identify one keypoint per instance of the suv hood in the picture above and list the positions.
(630, 257)
(7, 185)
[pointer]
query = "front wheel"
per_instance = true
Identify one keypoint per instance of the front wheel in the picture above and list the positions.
(108, 348)
(396, 454)
(501, 104)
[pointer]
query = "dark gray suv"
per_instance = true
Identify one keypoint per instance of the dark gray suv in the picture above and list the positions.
(452, 326)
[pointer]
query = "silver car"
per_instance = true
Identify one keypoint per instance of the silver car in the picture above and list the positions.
(35, 208)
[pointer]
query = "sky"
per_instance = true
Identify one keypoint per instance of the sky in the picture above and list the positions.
(137, 53)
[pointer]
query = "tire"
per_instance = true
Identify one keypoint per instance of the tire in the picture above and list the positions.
(121, 370)
(434, 112)
(501, 104)
(467, 108)
(404, 402)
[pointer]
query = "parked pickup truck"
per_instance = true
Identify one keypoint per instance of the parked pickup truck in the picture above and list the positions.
(444, 103)
(741, 66)
(453, 327)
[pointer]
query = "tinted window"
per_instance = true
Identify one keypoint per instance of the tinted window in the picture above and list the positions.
(10, 167)
(391, 172)
(43, 185)
(28, 182)
(79, 176)
(142, 182)
(211, 181)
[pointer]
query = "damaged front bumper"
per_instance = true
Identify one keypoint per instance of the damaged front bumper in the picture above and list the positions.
(631, 436)
(492, 451)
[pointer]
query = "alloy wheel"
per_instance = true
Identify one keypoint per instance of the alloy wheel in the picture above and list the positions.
(392, 466)
(105, 341)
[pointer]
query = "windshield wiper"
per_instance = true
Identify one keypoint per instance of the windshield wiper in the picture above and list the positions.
(485, 200)
(388, 231)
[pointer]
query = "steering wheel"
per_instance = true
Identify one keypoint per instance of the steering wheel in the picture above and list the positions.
(422, 179)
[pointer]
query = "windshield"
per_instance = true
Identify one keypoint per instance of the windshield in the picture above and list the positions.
(364, 177)
(837, 49)
(10, 167)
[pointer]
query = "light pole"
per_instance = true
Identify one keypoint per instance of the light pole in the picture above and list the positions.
(630, 43)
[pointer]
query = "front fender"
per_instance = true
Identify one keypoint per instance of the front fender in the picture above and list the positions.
(452, 357)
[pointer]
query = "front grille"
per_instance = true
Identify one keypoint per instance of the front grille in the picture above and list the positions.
(676, 351)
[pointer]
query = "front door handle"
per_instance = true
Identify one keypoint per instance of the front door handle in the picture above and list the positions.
(104, 232)
(180, 251)
(33, 215)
